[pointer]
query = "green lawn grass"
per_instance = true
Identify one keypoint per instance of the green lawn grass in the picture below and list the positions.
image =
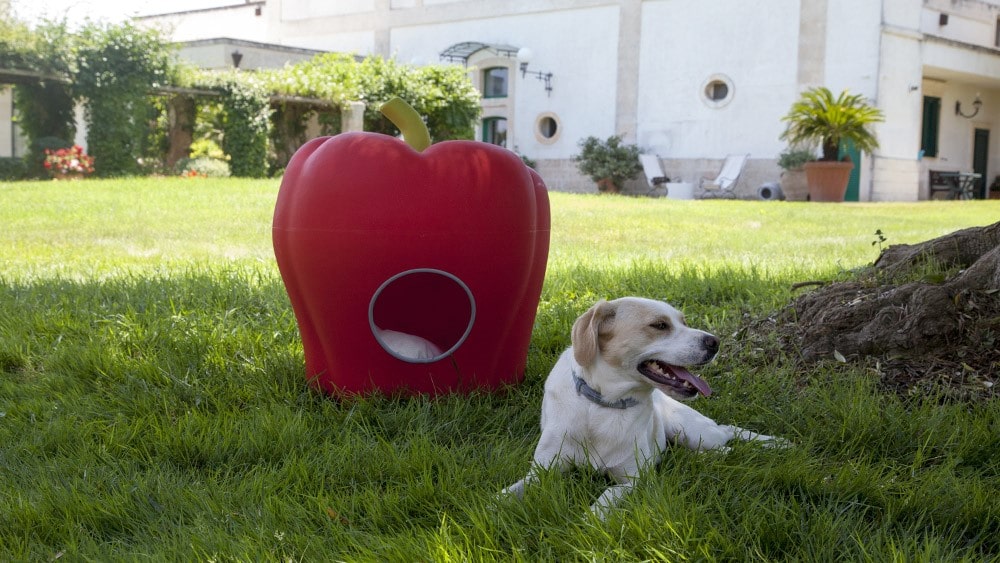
(153, 402)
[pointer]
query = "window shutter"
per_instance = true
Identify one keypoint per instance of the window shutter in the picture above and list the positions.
(932, 121)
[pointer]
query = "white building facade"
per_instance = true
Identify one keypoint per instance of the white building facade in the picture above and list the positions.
(688, 81)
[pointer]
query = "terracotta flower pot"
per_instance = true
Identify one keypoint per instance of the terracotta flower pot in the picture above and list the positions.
(608, 186)
(68, 176)
(793, 184)
(828, 179)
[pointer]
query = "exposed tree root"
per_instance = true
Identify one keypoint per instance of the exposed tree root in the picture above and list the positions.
(922, 313)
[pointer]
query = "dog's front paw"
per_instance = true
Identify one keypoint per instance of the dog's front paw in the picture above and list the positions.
(773, 441)
(777, 442)
(516, 491)
(505, 497)
(764, 440)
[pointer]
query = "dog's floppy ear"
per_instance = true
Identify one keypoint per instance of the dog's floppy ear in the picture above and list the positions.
(587, 331)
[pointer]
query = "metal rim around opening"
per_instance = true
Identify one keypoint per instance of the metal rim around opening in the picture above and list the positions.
(468, 329)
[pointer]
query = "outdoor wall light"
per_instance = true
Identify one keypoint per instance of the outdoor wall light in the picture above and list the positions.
(237, 57)
(524, 57)
(976, 104)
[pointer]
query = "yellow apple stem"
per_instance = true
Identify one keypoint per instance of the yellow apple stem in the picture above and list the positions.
(409, 122)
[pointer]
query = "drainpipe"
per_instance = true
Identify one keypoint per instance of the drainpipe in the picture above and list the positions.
(870, 187)
(13, 130)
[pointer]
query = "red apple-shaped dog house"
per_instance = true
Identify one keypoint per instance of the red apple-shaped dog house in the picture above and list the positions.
(443, 243)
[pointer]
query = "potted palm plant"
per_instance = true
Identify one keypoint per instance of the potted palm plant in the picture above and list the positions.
(608, 162)
(820, 118)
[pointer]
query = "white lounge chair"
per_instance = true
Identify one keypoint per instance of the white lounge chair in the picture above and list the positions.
(654, 173)
(722, 185)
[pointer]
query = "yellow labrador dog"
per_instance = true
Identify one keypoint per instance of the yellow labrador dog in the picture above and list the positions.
(612, 399)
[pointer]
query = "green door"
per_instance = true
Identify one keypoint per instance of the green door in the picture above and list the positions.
(854, 184)
(980, 150)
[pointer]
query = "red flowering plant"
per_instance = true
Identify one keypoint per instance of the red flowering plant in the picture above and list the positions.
(68, 162)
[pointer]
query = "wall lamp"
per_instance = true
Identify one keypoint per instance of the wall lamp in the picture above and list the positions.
(976, 104)
(237, 57)
(524, 57)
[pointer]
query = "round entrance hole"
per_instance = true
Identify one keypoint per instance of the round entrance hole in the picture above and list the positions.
(422, 315)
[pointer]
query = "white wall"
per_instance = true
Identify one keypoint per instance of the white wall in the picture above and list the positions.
(959, 75)
(218, 54)
(895, 169)
(10, 144)
(684, 44)
(238, 22)
(902, 14)
(355, 42)
(899, 96)
(876, 48)
(972, 22)
(956, 138)
(299, 9)
(853, 35)
(951, 59)
(578, 46)
(955, 141)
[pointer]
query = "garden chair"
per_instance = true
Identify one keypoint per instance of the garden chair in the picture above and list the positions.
(654, 173)
(723, 184)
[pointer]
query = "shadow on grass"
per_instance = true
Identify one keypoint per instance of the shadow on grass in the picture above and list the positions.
(170, 416)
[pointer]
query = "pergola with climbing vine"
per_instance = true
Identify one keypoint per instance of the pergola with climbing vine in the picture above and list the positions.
(141, 105)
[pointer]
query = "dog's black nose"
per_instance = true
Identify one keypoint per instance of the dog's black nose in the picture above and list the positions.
(710, 343)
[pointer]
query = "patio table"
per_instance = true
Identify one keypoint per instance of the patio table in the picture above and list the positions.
(962, 184)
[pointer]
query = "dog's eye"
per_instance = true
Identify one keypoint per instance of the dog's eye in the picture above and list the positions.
(660, 325)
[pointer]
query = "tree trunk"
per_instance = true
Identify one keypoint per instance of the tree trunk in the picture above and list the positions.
(961, 249)
(181, 115)
(290, 125)
(937, 303)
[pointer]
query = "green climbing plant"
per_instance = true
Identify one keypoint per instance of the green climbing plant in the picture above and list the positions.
(117, 66)
(116, 71)
(442, 94)
(45, 107)
(246, 123)
(446, 96)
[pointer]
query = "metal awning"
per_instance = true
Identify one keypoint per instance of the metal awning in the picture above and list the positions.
(460, 52)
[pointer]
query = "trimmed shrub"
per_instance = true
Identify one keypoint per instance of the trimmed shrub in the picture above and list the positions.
(12, 168)
(203, 166)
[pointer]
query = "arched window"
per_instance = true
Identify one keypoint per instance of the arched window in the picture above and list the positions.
(495, 82)
(495, 131)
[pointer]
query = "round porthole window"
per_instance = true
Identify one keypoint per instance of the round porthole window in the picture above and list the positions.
(717, 91)
(547, 128)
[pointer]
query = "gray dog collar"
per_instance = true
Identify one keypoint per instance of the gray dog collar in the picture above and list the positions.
(595, 397)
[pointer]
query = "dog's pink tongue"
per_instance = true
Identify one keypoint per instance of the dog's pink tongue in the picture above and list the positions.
(700, 384)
